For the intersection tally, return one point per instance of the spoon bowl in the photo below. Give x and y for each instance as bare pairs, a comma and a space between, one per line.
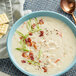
68, 6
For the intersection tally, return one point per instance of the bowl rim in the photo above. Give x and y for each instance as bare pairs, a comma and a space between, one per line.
15, 63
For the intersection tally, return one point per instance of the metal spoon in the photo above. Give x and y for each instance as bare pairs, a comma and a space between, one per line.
68, 6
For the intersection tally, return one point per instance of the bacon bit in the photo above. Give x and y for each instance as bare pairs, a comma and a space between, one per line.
28, 42
57, 60
23, 61
45, 69
29, 39
41, 21
21, 37
29, 63
35, 46
60, 34
39, 61
41, 33
30, 34
24, 54
33, 26
46, 56
31, 56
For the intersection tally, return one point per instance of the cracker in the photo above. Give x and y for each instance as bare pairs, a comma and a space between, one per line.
1, 35
3, 28
3, 19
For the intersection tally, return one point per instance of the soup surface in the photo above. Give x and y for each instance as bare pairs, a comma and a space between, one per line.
44, 46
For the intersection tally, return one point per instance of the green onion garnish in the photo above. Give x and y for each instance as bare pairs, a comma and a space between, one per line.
19, 33
33, 62
24, 36
25, 49
18, 48
22, 49
36, 21
29, 24
35, 30
39, 54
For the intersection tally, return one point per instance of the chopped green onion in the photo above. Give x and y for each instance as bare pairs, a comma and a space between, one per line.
30, 61
36, 21
18, 48
25, 49
29, 25
39, 54
22, 43
35, 30
26, 35
19, 33
22, 49
33, 62
29, 22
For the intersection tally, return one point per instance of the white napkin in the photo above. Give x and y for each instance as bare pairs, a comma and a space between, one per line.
3, 74
18, 8
17, 12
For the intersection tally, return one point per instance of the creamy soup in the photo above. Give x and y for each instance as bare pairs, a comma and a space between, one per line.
44, 46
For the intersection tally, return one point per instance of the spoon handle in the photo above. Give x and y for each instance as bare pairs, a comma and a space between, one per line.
74, 17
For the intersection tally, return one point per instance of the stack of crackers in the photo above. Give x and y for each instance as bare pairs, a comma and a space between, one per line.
4, 23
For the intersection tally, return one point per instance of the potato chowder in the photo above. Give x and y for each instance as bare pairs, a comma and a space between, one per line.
44, 46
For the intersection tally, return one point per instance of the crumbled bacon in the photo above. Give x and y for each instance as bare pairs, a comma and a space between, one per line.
57, 60
24, 54
46, 56
41, 21
41, 33
29, 63
28, 42
33, 26
29, 39
35, 46
31, 56
45, 69
21, 37
39, 61
30, 34
23, 61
